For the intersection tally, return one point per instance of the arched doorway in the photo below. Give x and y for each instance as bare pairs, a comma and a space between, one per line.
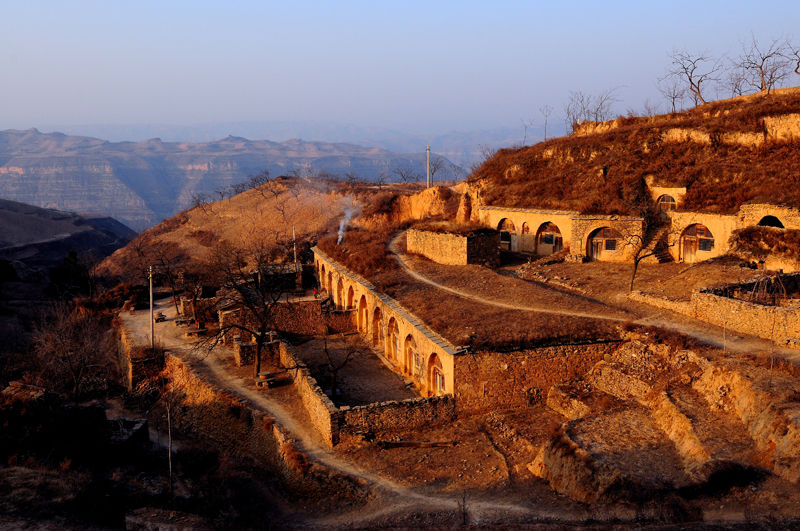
770, 221
350, 298
602, 242
330, 284
435, 376
392, 340
322, 285
363, 316
377, 331
409, 354
548, 239
340, 293
665, 203
508, 234
695, 240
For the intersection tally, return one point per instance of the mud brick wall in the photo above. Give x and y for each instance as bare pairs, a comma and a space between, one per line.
768, 322
244, 353
489, 380
397, 414
455, 249
323, 413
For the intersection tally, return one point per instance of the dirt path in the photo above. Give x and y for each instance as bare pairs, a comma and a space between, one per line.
705, 332
491, 302
395, 498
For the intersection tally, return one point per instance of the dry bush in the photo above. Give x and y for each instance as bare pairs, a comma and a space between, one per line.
603, 173
206, 238
760, 242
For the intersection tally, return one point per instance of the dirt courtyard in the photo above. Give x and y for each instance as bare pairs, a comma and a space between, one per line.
362, 379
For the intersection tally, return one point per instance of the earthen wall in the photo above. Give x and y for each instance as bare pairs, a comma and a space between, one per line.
455, 249
397, 414
491, 380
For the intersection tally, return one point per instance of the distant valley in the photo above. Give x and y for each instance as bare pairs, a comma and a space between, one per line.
141, 183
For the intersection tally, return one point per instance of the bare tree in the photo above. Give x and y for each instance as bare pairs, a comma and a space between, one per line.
406, 174
694, 70
437, 164
486, 152
251, 281
200, 201
582, 107
735, 80
793, 53
673, 91
72, 348
765, 67
546, 111
335, 363
525, 125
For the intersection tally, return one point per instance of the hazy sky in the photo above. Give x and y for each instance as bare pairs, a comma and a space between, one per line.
417, 66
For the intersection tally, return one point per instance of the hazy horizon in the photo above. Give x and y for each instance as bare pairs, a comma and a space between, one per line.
413, 67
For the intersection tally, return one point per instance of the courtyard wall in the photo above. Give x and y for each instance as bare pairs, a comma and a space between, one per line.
455, 249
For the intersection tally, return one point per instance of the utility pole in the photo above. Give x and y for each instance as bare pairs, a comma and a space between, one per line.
294, 245
428, 165
152, 322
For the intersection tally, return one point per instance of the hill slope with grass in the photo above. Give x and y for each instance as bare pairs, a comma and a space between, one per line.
725, 153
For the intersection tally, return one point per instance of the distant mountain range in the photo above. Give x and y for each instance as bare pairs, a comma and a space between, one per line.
141, 183
461, 147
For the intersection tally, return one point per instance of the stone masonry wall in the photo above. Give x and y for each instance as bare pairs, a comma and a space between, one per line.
454, 249
490, 380
768, 322
410, 413
324, 414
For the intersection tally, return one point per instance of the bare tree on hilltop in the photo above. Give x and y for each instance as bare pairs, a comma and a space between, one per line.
764, 67
695, 71
582, 107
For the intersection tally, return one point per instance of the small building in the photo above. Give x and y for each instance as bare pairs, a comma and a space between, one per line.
450, 246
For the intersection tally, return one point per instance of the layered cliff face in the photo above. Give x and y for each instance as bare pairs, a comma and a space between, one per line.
141, 183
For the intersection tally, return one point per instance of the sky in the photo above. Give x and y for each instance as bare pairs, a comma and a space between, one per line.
412, 66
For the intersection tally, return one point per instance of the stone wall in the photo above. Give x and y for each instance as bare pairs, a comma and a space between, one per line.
491, 380
406, 414
455, 249
331, 421
781, 325
323, 413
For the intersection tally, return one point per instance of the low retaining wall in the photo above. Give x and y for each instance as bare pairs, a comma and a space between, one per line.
480, 247
769, 322
331, 421
408, 414
324, 414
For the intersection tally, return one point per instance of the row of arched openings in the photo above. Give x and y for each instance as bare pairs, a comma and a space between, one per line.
404, 355
547, 239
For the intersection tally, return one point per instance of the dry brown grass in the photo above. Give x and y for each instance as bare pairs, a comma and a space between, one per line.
604, 173
760, 242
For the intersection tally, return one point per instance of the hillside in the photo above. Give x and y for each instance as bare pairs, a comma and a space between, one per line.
725, 153
33, 238
141, 183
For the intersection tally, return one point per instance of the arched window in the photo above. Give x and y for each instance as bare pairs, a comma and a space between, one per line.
409, 354
526, 229
666, 203
548, 239
695, 240
770, 221
322, 285
435, 381
392, 340
340, 293
377, 331
602, 241
350, 296
363, 316
507, 229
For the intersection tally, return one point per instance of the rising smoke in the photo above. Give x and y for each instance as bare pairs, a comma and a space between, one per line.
351, 210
